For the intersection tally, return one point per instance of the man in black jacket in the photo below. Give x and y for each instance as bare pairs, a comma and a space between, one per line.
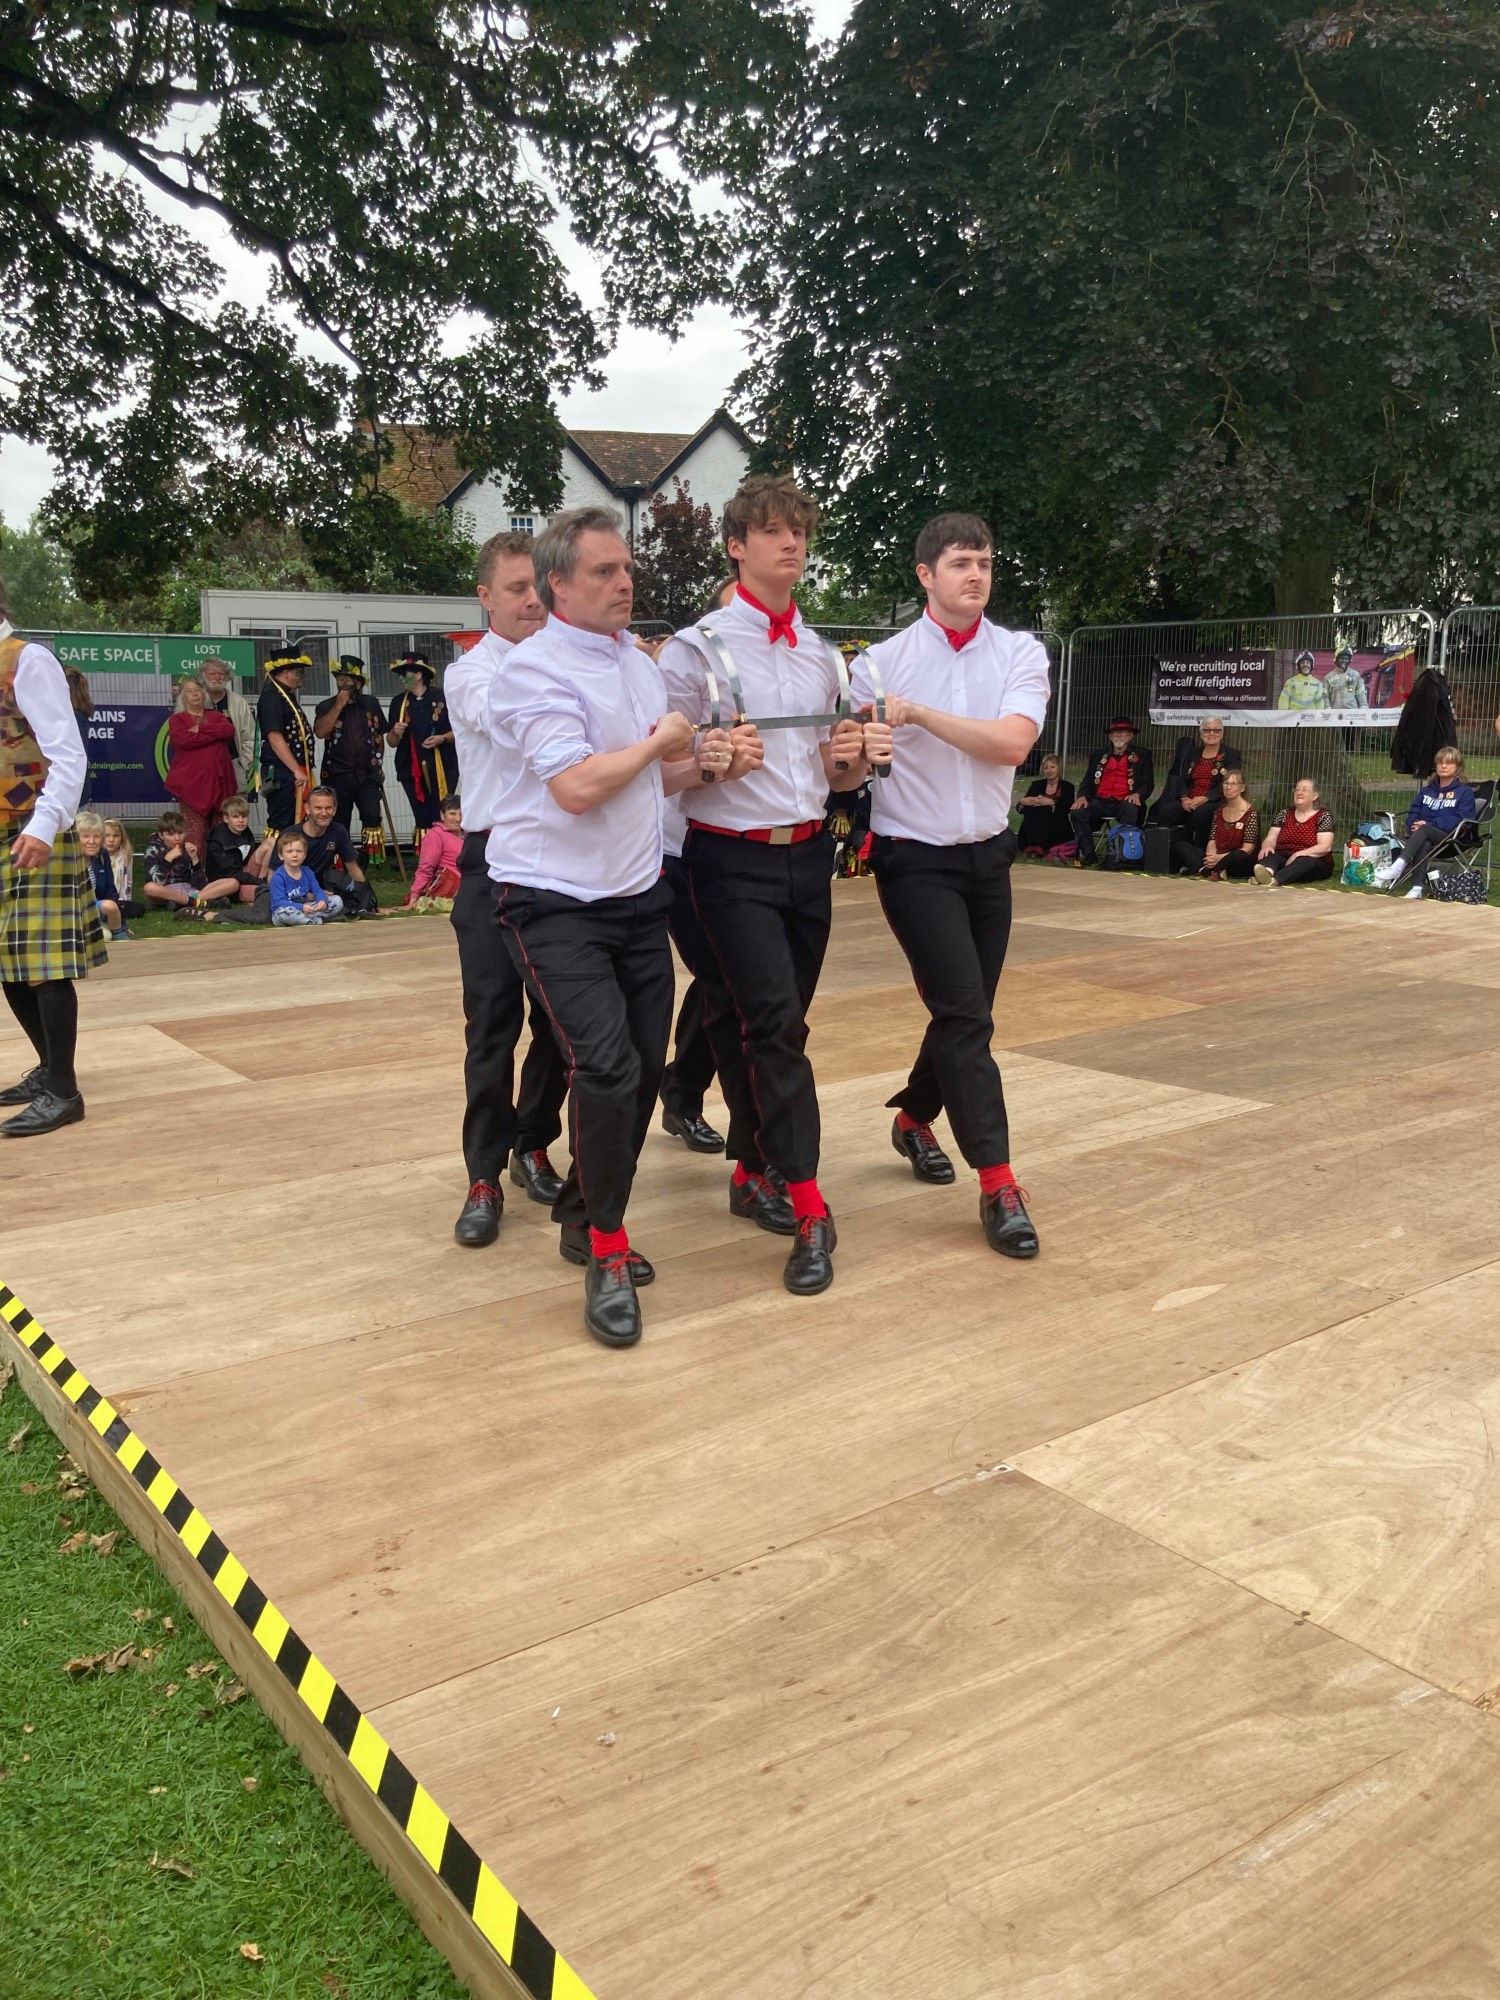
1116, 784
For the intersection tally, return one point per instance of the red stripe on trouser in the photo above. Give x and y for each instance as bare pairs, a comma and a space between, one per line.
562, 1042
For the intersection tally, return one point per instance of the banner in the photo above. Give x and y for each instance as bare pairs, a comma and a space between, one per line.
1313, 689
150, 652
127, 750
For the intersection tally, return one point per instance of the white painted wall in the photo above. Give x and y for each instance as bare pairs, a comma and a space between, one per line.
711, 473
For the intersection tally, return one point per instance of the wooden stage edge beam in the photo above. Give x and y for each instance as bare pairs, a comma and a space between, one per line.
461, 1905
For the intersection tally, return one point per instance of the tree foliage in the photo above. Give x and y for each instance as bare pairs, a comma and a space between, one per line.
397, 166
1196, 299
678, 558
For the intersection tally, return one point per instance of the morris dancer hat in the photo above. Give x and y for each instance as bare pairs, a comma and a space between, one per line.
1121, 722
279, 661
413, 663
351, 665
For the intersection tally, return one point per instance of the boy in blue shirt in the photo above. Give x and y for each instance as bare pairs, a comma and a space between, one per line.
297, 896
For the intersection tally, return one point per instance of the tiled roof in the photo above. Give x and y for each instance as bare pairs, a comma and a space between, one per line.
632, 458
424, 468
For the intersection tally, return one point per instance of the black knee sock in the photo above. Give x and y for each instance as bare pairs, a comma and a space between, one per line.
22, 1003
57, 1005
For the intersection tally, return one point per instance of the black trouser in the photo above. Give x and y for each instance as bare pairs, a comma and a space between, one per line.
950, 910
1418, 846
692, 1067
359, 898
424, 811
1187, 855
1195, 826
603, 972
351, 793
1085, 821
278, 787
766, 911
1300, 867
1238, 865
495, 1124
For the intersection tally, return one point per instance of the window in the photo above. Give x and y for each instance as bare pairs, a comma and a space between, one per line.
523, 524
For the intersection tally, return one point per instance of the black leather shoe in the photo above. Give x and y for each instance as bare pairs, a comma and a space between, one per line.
534, 1172
32, 1084
809, 1269
574, 1248
928, 1160
762, 1202
1007, 1226
695, 1133
611, 1310
479, 1219
45, 1113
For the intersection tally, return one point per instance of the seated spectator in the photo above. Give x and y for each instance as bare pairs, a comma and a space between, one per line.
90, 830
1232, 843
174, 871
297, 896
1194, 787
1299, 847
1116, 784
233, 850
122, 866
1440, 808
330, 855
435, 883
1045, 806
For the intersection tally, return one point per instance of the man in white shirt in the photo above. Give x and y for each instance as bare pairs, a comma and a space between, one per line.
51, 933
498, 1126
759, 863
966, 700
576, 847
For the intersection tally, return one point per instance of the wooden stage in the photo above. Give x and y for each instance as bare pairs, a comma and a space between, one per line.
1121, 1626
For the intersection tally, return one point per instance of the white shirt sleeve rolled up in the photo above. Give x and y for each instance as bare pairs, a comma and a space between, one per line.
43, 697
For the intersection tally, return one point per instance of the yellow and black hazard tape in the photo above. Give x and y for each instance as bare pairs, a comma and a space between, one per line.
496, 1914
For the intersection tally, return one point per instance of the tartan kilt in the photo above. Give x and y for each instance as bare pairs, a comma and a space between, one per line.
50, 927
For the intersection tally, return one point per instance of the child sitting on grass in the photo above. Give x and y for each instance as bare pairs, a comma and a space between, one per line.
435, 883
122, 866
297, 896
90, 830
233, 850
174, 871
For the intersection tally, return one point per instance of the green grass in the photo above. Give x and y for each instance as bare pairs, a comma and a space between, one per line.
104, 1778
389, 889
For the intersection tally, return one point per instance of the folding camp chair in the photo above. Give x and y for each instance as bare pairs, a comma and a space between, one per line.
1471, 845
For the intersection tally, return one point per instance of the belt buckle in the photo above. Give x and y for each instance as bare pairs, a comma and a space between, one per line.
781, 836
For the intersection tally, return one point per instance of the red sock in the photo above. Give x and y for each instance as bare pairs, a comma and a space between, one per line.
992, 1179
608, 1242
905, 1124
806, 1200
741, 1177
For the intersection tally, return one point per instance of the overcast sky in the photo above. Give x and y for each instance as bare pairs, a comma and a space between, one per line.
653, 384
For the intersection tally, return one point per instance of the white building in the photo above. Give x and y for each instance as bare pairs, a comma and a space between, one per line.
620, 469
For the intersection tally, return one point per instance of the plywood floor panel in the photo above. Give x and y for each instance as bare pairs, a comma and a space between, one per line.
1350, 1476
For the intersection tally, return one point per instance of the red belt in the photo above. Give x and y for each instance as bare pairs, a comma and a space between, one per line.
770, 836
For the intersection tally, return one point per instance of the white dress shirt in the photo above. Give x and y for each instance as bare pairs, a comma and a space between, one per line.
565, 695
487, 766
674, 822
935, 793
791, 787
44, 699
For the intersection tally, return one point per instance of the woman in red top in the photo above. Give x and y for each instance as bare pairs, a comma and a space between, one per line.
1194, 786
1231, 844
200, 770
1299, 847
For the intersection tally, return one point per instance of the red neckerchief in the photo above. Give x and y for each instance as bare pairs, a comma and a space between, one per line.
957, 640
783, 623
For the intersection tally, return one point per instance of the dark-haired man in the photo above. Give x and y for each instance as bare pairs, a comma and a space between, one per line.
330, 855
576, 850
967, 700
350, 725
498, 1126
759, 861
